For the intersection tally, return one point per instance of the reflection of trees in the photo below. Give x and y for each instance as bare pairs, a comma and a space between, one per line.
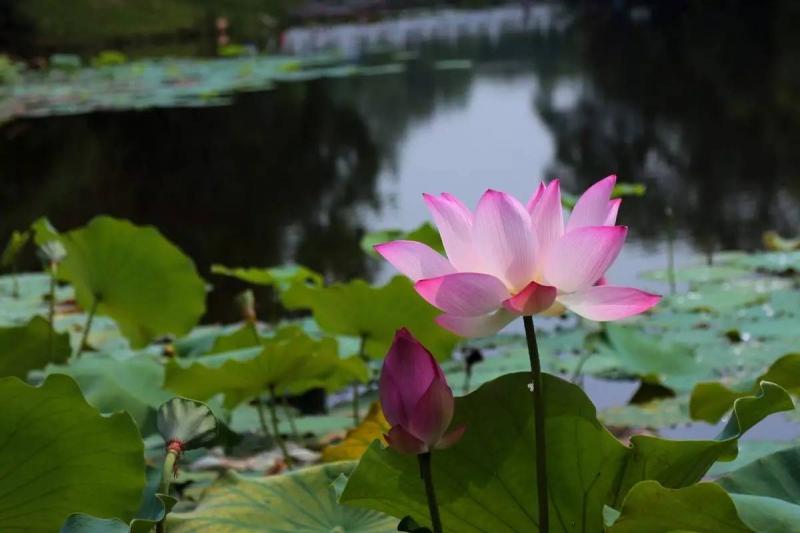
698, 101
273, 176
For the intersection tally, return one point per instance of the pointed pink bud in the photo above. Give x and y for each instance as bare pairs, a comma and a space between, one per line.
416, 400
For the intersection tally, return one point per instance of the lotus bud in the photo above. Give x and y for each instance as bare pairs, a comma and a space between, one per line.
246, 302
416, 400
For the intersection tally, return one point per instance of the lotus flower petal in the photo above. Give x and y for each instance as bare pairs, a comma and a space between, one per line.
414, 259
613, 209
606, 302
454, 221
537, 195
433, 413
451, 438
548, 220
592, 207
502, 233
407, 373
476, 326
404, 442
532, 299
582, 256
463, 293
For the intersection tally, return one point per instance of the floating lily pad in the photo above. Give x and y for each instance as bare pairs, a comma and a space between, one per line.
699, 274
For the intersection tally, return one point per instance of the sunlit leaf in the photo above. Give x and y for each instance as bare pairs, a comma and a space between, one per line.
291, 362
358, 309
281, 277
136, 276
358, 439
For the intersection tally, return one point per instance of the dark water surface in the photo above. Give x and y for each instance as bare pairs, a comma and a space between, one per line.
700, 104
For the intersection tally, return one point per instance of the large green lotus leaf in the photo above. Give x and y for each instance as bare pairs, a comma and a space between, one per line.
31, 347
701, 508
711, 400
15, 244
749, 451
299, 501
281, 277
485, 483
111, 383
699, 274
152, 509
59, 456
358, 309
425, 234
767, 492
140, 279
289, 361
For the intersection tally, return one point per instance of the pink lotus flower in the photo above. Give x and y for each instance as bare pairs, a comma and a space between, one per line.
507, 260
415, 398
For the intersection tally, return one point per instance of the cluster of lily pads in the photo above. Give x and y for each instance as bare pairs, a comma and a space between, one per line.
112, 82
123, 413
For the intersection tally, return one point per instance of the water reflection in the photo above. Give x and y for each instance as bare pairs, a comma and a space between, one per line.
698, 104
273, 177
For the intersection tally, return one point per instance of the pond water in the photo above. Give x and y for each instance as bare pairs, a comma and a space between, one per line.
697, 103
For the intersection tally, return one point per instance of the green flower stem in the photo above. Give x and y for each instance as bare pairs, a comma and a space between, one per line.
167, 473
256, 336
262, 417
51, 310
290, 416
275, 429
87, 327
427, 478
356, 398
671, 250
356, 407
539, 418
